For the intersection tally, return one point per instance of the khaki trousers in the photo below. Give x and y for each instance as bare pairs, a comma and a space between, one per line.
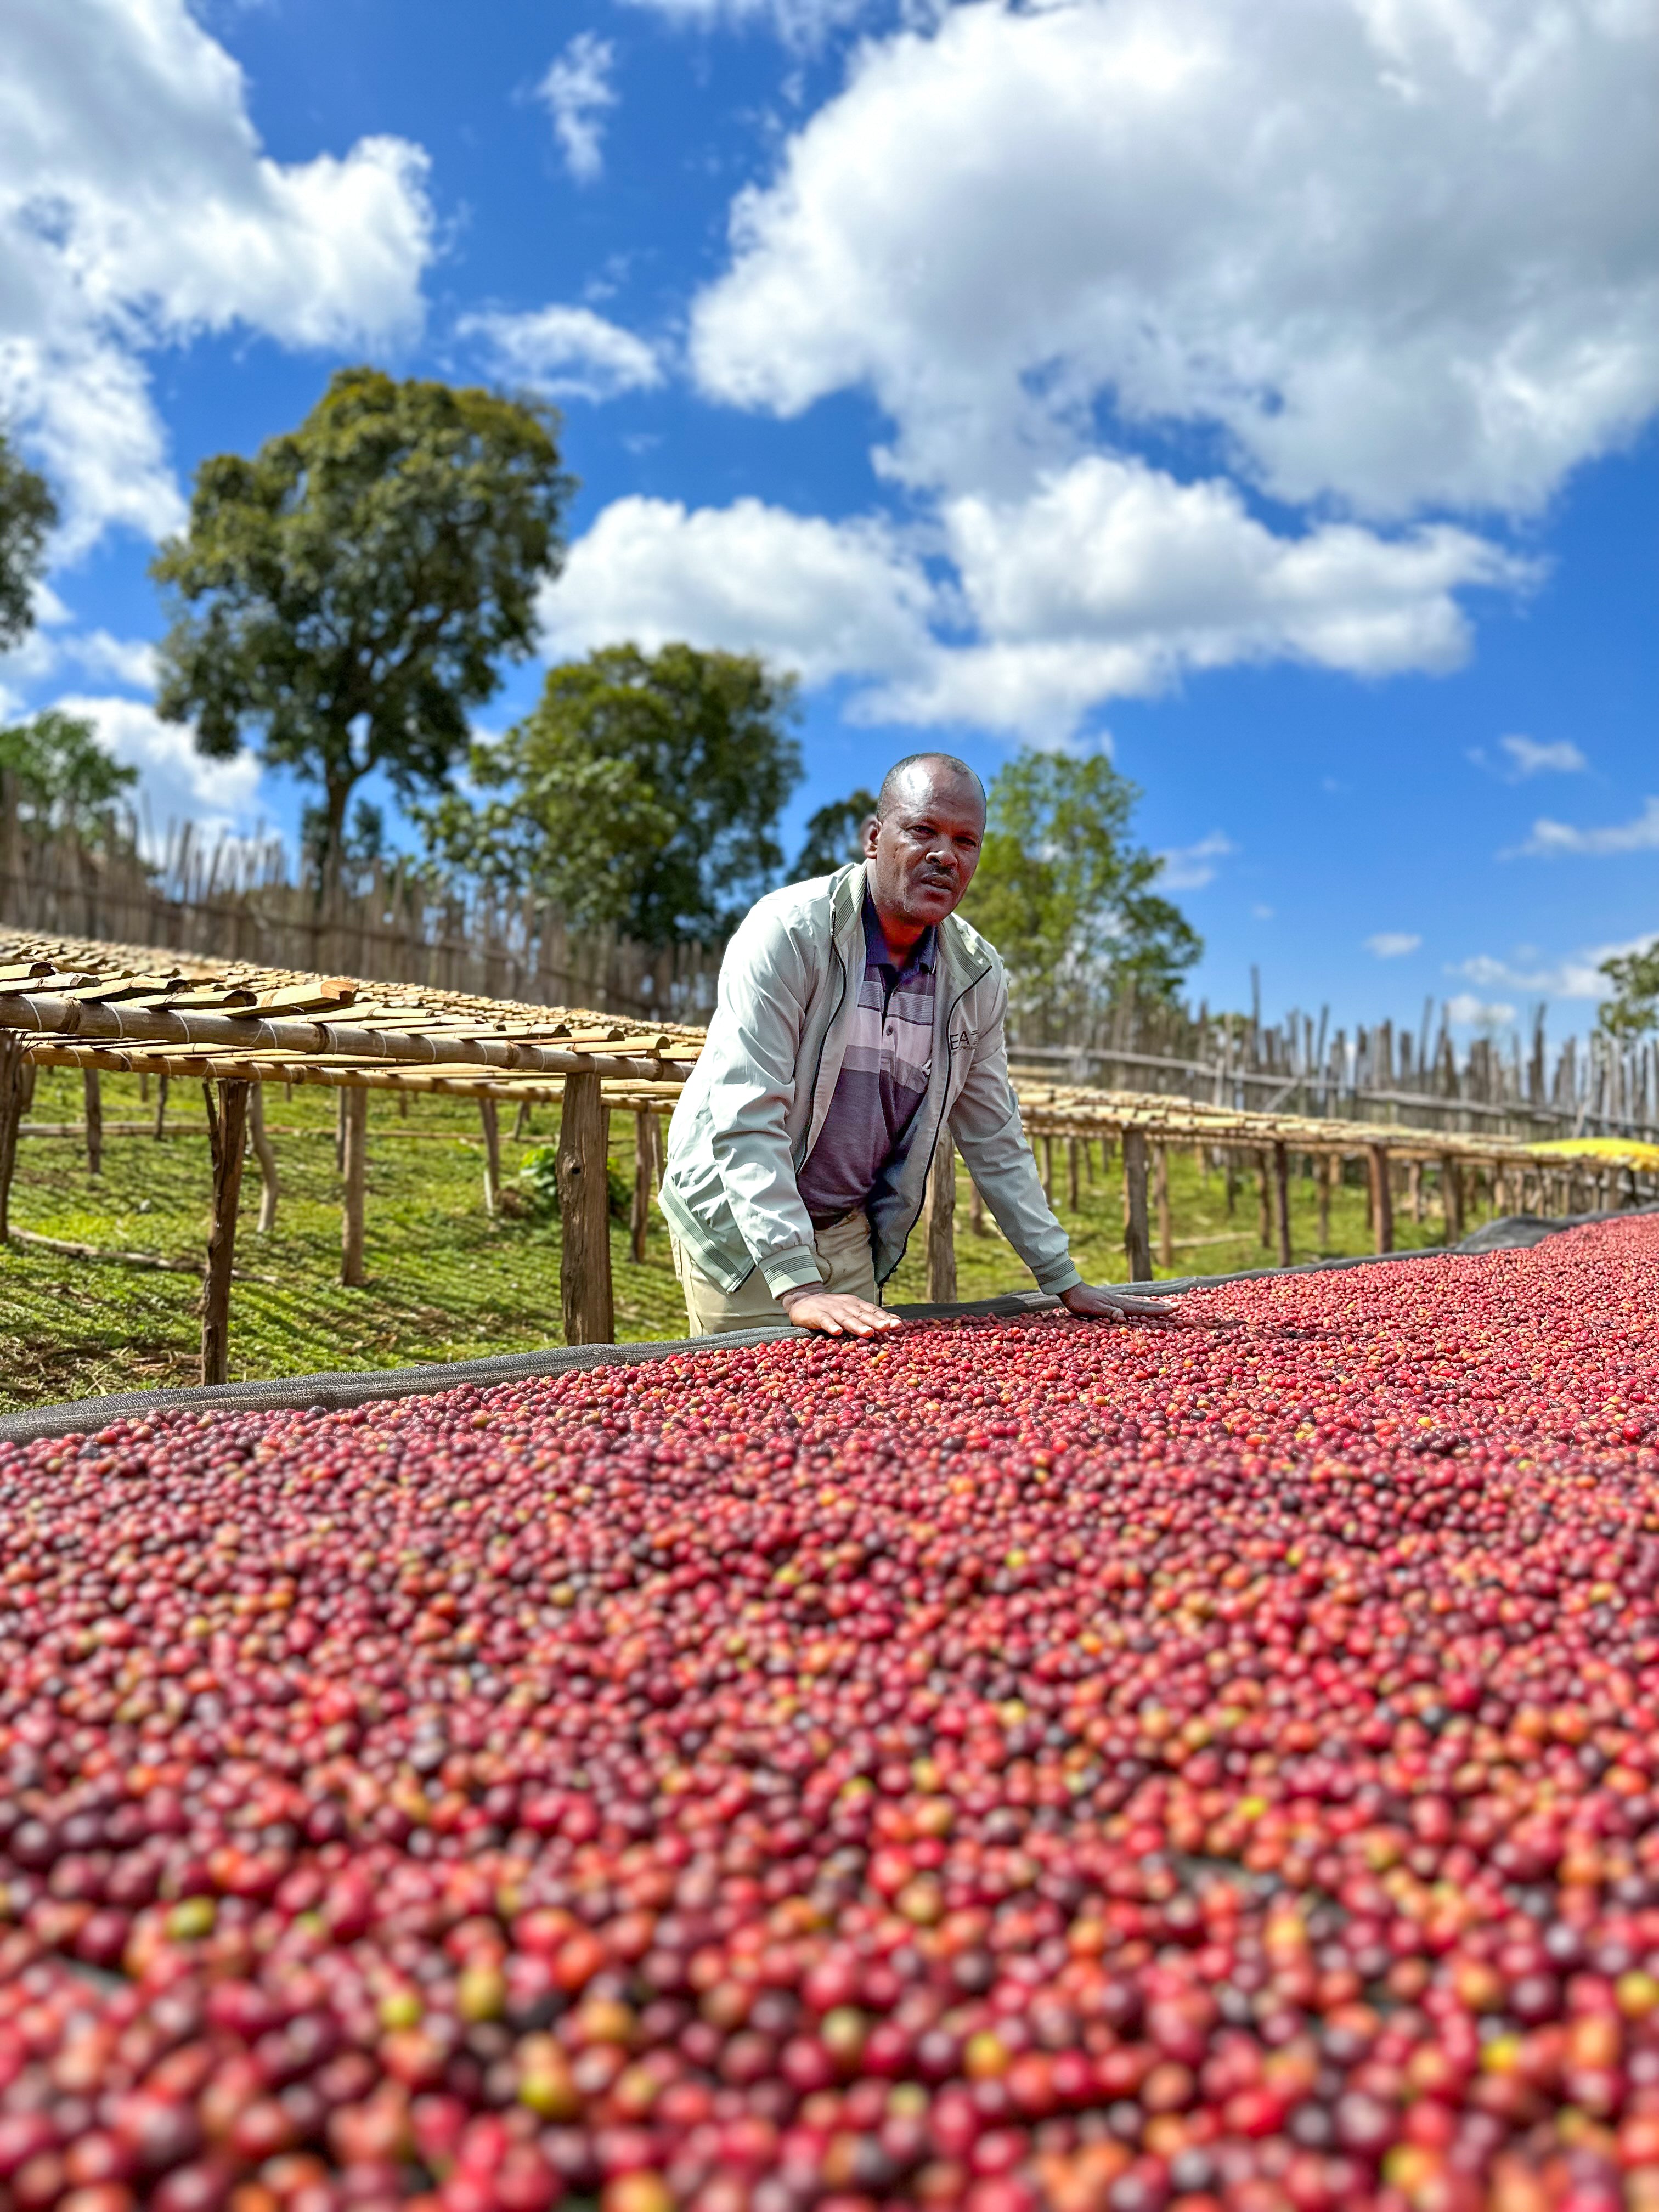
845, 1263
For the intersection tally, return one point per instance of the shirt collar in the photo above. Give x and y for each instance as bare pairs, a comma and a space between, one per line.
924, 954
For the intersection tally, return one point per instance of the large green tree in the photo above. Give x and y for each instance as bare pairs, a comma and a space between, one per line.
28, 514
348, 595
834, 835
643, 792
62, 774
1633, 1009
1063, 892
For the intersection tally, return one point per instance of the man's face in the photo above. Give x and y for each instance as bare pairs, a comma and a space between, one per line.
921, 858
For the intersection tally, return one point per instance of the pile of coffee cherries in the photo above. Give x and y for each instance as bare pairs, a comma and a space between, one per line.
1002, 1766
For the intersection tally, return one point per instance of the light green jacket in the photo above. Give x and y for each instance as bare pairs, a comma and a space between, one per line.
751, 1111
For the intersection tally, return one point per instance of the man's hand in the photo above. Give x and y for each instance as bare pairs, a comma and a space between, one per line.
1090, 1304
835, 1313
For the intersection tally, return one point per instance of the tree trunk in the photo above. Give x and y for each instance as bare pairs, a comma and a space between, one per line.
93, 1090
266, 1158
585, 1215
492, 1137
353, 1173
941, 1222
227, 1134
11, 1114
1137, 1244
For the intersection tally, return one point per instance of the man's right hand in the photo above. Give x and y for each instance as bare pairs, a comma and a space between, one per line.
835, 1313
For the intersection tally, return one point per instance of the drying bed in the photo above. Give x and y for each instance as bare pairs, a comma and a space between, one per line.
1021, 1764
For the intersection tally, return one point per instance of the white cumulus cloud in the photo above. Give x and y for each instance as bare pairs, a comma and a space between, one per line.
1470, 1012
569, 351
1528, 757
137, 209
577, 90
1189, 867
1554, 840
1392, 944
1392, 252
800, 23
1573, 976
175, 783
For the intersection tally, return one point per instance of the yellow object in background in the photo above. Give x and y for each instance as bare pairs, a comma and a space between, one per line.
1629, 1150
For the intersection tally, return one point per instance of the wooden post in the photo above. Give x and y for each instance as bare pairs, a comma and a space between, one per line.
266, 1158
1265, 1203
1232, 1181
1414, 1187
93, 1090
1049, 1168
1072, 1199
976, 1210
227, 1134
641, 1214
143, 1086
353, 1164
585, 1215
1161, 1191
341, 1115
492, 1137
1382, 1199
1282, 1201
942, 1222
402, 1105
521, 1122
161, 1107
1451, 1199
11, 1112
1089, 1163
1137, 1244
1330, 1169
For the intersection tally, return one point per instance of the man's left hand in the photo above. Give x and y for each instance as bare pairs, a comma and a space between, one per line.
1091, 1303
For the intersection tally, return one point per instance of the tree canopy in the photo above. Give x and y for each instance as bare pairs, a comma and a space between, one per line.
834, 835
1062, 892
642, 792
348, 594
62, 775
1633, 1009
28, 514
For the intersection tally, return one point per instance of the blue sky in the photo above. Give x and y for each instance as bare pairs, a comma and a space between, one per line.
1267, 396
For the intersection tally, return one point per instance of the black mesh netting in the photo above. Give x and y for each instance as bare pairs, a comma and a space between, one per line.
336, 1389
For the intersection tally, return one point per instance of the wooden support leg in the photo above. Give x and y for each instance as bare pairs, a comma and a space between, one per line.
976, 1210
492, 1137
161, 1107
11, 1114
585, 1215
1161, 1189
1089, 1163
402, 1105
1414, 1185
641, 1214
1264, 1198
1233, 1183
266, 1158
1329, 1168
1049, 1168
1282, 1202
1381, 1198
521, 1124
1137, 1244
340, 1113
93, 1090
942, 1222
1451, 1199
353, 1169
227, 1134
143, 1086
1072, 1199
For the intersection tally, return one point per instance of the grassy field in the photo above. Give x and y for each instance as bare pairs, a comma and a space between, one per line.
444, 1281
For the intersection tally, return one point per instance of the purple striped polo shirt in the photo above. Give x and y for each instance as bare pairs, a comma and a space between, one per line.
882, 1080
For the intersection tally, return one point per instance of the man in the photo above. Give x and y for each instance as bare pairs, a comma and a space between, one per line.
856, 1015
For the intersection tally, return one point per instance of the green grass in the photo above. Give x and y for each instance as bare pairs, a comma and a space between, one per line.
444, 1281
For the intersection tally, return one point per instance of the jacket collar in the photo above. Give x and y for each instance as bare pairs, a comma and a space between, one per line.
962, 960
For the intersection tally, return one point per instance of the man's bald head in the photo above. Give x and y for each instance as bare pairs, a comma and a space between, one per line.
898, 785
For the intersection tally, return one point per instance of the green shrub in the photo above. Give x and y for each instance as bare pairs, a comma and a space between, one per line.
539, 1175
